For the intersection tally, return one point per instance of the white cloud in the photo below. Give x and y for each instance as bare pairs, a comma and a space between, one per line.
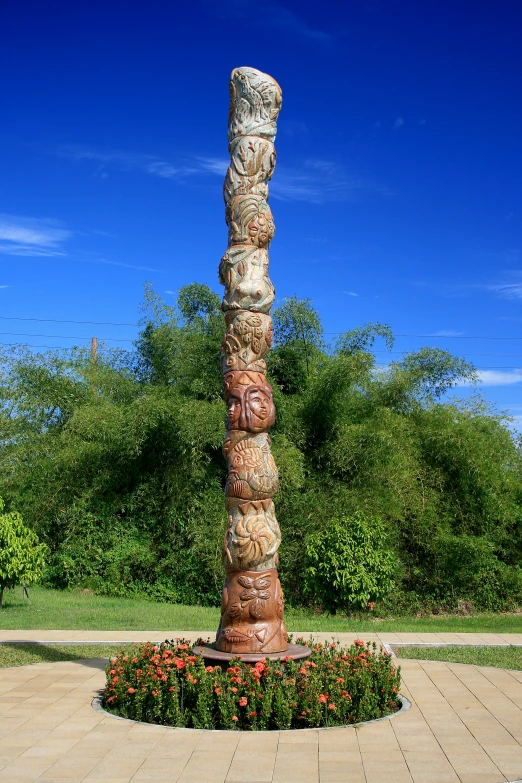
399, 122
447, 333
119, 263
350, 293
154, 165
496, 378
508, 290
316, 180
4, 286
23, 236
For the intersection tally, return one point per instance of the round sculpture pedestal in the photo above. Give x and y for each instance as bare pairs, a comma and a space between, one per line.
215, 657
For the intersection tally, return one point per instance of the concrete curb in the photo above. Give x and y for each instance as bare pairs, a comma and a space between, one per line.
406, 705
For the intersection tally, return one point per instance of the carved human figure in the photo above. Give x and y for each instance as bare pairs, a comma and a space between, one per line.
244, 273
250, 406
250, 221
255, 102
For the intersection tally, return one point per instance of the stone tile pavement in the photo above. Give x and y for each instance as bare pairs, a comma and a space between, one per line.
465, 725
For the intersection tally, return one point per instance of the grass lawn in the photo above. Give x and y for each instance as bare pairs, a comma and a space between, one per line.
501, 657
21, 654
73, 610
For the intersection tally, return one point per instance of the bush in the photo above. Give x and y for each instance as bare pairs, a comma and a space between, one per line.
334, 687
350, 564
21, 554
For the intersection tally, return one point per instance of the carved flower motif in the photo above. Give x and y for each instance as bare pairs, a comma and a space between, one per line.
255, 540
235, 611
256, 594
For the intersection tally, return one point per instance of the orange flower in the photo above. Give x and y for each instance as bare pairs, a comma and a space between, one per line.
131, 690
243, 701
322, 698
332, 707
234, 717
155, 693
209, 669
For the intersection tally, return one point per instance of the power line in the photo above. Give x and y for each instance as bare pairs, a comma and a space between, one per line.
67, 336
447, 336
62, 348
127, 340
55, 347
58, 321
115, 323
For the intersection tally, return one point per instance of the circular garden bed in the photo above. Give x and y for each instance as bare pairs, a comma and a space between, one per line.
335, 686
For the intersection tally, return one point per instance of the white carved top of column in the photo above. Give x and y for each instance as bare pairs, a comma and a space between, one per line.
255, 102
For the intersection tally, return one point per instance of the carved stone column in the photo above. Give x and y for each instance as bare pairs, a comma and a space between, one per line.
252, 607
252, 610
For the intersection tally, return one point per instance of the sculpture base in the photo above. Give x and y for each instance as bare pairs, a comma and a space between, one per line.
252, 611
214, 657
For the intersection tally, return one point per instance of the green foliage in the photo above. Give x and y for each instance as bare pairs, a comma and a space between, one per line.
116, 465
21, 554
349, 563
336, 686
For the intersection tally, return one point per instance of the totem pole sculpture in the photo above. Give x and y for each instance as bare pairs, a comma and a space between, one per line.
252, 620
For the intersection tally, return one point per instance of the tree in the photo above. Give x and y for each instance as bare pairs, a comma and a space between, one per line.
350, 564
298, 337
21, 554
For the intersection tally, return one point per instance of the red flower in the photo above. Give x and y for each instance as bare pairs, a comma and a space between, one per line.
217, 691
358, 643
243, 701
209, 669
253, 714
332, 707
180, 663
234, 717
322, 698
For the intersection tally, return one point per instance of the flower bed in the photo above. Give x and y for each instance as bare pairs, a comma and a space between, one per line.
336, 686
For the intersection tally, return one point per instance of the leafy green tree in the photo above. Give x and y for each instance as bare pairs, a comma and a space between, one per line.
298, 344
21, 554
117, 465
350, 564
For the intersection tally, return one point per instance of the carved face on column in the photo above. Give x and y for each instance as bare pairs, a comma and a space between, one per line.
250, 221
250, 406
244, 273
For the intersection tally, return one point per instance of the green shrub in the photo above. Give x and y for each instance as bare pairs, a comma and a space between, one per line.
21, 554
350, 563
334, 687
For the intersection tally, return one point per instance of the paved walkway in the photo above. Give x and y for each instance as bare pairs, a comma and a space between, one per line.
465, 725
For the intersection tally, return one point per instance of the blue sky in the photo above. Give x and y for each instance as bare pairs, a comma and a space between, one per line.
396, 196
